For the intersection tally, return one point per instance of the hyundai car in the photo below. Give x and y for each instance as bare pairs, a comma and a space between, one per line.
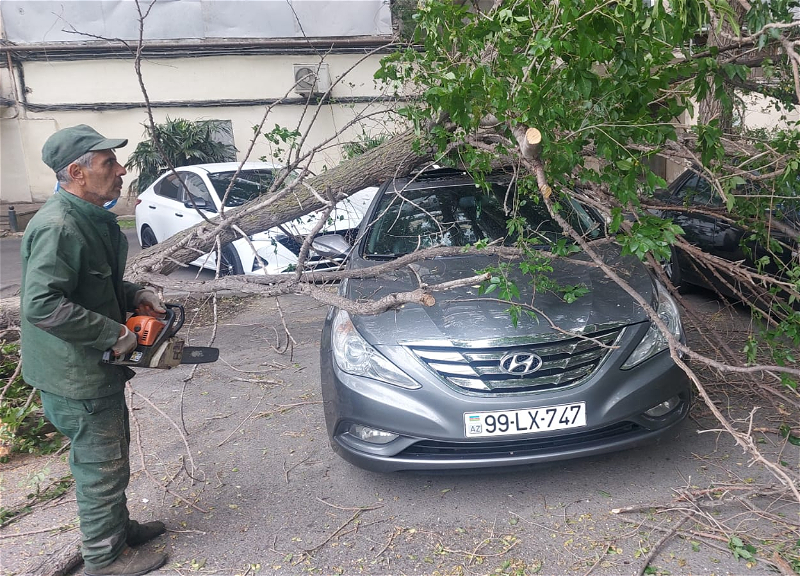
466, 382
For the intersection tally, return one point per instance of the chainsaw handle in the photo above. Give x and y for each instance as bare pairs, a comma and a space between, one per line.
178, 319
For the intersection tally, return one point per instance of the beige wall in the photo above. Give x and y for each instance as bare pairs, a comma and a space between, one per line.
215, 77
761, 113
23, 177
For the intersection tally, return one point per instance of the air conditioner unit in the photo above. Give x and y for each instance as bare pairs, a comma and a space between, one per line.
311, 79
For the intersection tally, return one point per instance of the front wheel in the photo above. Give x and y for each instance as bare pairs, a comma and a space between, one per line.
672, 270
230, 264
148, 237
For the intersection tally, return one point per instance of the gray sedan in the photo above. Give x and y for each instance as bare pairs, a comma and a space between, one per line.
467, 384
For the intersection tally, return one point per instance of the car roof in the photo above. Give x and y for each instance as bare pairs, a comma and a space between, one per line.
227, 167
439, 176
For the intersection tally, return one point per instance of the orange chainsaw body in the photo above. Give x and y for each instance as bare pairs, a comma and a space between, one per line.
146, 329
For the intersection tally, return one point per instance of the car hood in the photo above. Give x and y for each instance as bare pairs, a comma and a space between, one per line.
462, 315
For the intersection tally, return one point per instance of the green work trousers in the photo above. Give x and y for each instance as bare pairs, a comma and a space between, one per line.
100, 433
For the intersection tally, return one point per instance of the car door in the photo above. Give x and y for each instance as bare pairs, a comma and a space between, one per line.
196, 201
196, 205
693, 192
729, 237
700, 227
163, 207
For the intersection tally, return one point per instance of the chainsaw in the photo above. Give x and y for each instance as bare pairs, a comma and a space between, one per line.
156, 343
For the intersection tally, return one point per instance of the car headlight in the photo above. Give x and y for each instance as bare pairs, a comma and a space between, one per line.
654, 341
355, 355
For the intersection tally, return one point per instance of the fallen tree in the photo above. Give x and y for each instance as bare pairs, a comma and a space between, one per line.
301, 197
578, 98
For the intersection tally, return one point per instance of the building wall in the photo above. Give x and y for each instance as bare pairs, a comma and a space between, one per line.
105, 93
761, 112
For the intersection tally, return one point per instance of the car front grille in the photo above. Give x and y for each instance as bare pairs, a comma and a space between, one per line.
478, 368
521, 447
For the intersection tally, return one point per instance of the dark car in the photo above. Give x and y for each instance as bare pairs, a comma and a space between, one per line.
701, 212
462, 384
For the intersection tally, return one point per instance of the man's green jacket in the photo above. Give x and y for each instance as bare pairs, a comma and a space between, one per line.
73, 299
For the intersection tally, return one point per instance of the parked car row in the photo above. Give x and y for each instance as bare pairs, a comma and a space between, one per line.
462, 383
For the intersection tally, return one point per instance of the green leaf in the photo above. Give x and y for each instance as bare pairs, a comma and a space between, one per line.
786, 432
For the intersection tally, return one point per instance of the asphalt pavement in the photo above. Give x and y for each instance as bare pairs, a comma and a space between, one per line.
234, 457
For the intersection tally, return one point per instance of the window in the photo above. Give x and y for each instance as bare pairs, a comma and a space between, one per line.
168, 188
696, 190
196, 188
224, 135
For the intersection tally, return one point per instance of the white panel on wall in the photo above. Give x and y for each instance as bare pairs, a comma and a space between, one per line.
31, 22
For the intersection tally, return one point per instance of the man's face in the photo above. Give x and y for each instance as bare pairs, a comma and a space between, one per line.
102, 181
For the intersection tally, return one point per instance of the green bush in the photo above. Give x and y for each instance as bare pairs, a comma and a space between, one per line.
22, 427
184, 142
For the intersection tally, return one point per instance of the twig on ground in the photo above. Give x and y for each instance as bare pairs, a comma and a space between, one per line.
135, 422
172, 422
336, 532
283, 408
64, 528
194, 368
599, 559
292, 467
246, 418
257, 381
397, 531
656, 548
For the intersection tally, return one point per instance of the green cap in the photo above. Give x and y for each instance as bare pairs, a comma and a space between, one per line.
69, 144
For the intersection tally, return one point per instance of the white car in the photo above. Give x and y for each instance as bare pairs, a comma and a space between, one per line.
166, 208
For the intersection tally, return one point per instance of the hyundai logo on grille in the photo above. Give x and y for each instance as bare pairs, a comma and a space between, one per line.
520, 363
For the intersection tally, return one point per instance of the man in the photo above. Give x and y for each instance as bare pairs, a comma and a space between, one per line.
73, 308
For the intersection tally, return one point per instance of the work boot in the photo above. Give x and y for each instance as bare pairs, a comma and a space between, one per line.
130, 563
141, 532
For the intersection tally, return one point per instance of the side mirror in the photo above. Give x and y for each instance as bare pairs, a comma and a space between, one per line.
331, 246
200, 204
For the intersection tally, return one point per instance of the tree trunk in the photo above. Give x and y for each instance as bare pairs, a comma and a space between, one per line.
395, 156
711, 107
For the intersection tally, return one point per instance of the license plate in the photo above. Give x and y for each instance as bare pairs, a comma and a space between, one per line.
543, 419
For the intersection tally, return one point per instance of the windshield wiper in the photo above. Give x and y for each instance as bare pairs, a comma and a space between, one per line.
383, 256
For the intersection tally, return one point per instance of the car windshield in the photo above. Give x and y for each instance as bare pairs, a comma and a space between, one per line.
249, 184
462, 215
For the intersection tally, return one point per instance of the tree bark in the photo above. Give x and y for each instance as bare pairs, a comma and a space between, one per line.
711, 107
394, 157
61, 562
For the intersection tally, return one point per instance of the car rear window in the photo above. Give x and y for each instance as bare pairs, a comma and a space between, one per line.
463, 215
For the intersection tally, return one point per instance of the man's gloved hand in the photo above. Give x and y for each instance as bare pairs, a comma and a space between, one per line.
125, 343
146, 303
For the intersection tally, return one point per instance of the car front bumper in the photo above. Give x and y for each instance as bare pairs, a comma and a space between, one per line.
430, 420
